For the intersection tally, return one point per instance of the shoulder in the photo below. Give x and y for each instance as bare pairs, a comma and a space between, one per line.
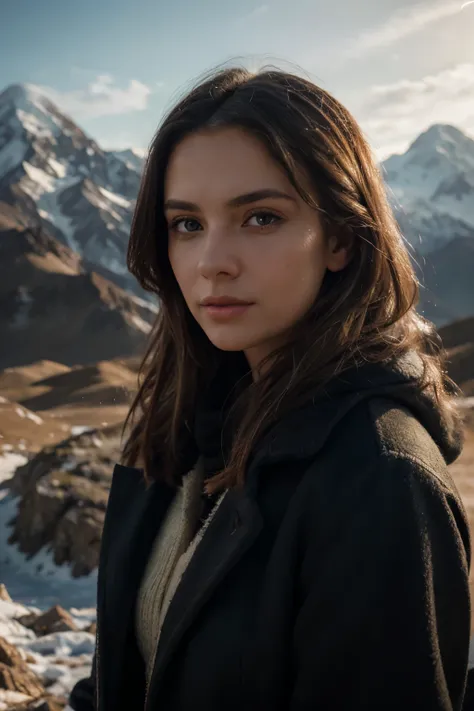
378, 449
380, 429
379, 480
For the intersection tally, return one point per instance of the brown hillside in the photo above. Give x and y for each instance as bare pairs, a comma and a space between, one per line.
52, 309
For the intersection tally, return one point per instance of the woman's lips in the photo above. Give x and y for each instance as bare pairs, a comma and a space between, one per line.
226, 312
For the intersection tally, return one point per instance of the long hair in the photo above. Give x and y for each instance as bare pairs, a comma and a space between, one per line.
364, 313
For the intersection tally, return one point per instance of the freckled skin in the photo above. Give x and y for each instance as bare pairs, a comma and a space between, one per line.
272, 253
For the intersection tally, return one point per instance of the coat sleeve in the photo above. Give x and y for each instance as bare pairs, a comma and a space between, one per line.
383, 616
82, 697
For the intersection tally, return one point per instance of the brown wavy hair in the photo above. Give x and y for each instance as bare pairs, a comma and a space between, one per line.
364, 313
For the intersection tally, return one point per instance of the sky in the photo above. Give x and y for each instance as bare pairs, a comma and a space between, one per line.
117, 66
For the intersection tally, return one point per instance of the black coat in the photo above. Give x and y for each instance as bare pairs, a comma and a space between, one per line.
337, 579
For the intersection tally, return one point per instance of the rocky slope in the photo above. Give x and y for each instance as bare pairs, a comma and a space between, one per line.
42, 654
53, 171
54, 308
60, 436
61, 496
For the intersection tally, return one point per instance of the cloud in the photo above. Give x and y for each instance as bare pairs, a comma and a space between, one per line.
401, 24
392, 115
253, 15
101, 97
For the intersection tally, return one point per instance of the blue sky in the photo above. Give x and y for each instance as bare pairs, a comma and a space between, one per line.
115, 66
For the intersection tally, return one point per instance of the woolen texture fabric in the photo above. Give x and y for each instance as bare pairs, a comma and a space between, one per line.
172, 550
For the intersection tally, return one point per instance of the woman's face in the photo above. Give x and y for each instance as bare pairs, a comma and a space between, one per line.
237, 228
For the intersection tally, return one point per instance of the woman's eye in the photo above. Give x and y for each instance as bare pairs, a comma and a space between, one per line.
186, 224
264, 219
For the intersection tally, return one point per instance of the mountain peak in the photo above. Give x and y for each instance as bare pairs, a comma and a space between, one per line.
439, 134
21, 94
431, 187
133, 158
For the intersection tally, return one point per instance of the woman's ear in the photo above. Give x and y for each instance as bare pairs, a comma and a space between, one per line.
339, 252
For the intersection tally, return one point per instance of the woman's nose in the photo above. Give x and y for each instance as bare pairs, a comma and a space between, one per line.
217, 256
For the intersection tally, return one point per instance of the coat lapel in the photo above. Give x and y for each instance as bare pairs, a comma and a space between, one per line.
234, 527
134, 515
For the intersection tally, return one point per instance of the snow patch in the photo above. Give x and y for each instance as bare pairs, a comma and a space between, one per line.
80, 429
140, 323
114, 265
59, 168
42, 182
28, 415
9, 463
146, 304
69, 465
33, 124
63, 644
117, 199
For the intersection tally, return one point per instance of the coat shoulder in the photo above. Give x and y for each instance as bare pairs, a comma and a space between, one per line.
378, 454
400, 434
378, 432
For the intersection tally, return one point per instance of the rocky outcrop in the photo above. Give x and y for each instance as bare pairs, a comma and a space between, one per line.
15, 675
54, 620
63, 494
47, 703
40, 664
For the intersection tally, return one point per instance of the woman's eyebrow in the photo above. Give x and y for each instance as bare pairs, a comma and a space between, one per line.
245, 199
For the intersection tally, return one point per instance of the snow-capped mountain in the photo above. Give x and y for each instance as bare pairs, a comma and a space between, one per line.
133, 158
79, 192
62, 180
431, 188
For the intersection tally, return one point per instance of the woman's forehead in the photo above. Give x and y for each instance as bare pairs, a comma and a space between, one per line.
224, 162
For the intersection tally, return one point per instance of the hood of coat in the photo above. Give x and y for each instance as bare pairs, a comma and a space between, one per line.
302, 431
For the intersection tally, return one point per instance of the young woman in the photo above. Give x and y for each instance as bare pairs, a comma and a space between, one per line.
283, 533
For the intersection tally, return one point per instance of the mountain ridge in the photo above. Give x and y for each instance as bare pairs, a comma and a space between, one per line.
63, 181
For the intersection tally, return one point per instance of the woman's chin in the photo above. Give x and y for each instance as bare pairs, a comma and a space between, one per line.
228, 344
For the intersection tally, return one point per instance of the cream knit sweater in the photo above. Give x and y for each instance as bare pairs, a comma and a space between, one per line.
170, 555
